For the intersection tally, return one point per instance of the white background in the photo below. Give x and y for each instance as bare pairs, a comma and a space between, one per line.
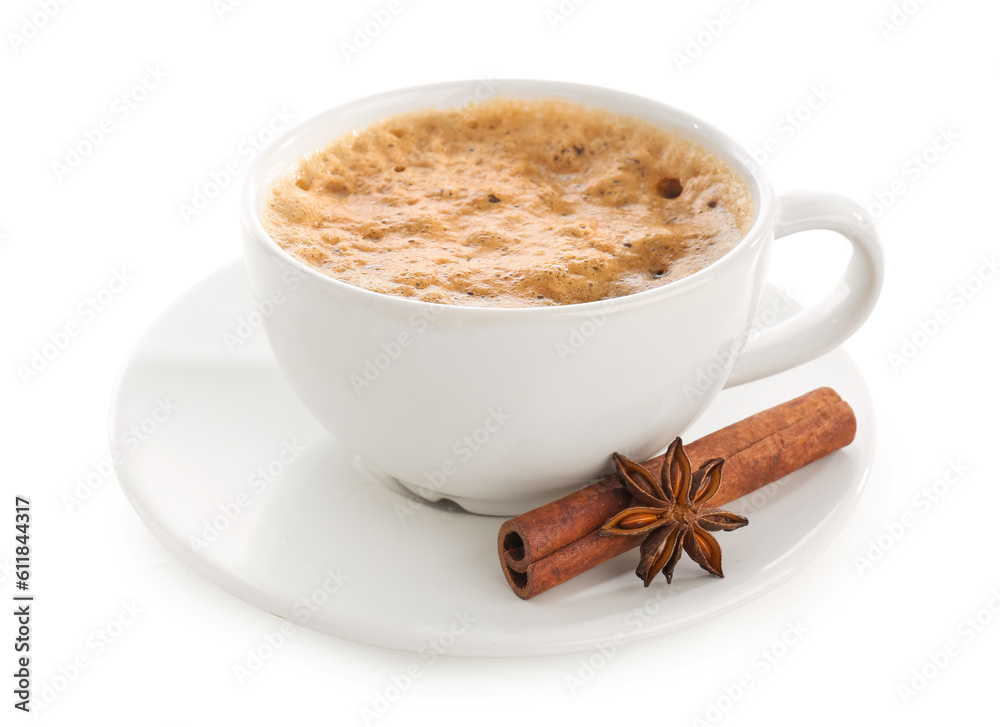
892, 82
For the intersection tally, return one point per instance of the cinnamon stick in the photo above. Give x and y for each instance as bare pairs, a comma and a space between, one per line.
558, 541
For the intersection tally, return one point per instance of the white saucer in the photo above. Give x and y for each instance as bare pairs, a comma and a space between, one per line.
215, 446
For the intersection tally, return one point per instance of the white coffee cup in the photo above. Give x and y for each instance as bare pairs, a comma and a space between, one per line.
501, 410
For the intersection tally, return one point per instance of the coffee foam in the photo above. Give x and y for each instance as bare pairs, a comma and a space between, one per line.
512, 202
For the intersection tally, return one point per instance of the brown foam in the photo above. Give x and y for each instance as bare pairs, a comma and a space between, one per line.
511, 202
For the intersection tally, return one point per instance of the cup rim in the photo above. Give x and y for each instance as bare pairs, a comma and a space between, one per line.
693, 128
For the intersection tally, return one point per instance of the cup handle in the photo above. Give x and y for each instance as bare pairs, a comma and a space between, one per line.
827, 324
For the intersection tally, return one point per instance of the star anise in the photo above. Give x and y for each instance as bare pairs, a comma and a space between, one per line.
672, 513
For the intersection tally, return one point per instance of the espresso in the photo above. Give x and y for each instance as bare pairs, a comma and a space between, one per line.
512, 202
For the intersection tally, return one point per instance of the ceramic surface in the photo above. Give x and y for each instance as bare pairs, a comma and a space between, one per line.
241, 483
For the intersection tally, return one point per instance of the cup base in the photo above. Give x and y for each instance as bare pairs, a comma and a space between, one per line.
474, 506
444, 501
